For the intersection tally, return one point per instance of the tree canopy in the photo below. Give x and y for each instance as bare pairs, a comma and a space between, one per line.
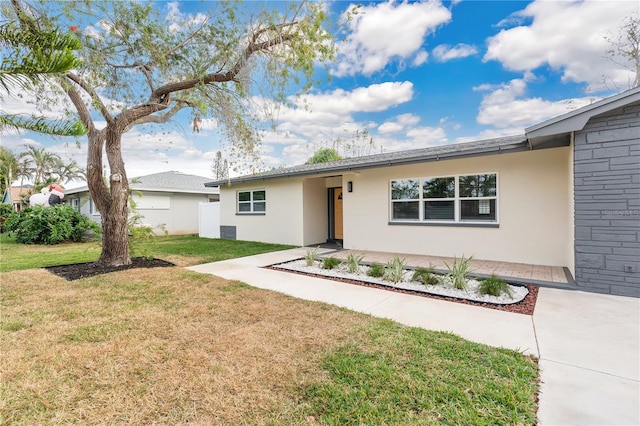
324, 155
142, 65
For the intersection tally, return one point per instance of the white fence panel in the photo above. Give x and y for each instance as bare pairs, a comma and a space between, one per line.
209, 220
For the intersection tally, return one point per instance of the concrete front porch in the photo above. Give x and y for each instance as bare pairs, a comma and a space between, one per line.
543, 275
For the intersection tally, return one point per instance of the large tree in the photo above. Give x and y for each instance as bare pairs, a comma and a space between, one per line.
143, 65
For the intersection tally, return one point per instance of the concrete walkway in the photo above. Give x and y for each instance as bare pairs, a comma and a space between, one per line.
588, 344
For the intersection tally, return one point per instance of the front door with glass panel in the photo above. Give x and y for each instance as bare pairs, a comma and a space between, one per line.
335, 215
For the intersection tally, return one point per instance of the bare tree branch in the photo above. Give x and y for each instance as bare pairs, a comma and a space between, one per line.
92, 94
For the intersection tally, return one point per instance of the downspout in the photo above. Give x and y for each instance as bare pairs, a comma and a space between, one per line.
572, 207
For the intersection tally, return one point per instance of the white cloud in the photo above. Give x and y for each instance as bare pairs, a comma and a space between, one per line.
567, 36
417, 137
390, 127
386, 31
373, 98
326, 116
180, 20
505, 106
400, 123
318, 119
428, 134
444, 52
421, 57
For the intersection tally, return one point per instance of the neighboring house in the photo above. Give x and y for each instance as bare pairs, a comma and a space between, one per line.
166, 201
567, 193
17, 196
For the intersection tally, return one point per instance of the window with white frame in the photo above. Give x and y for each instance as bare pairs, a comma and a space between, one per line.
463, 198
254, 201
75, 204
92, 208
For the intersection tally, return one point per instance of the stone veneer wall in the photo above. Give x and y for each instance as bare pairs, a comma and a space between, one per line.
607, 203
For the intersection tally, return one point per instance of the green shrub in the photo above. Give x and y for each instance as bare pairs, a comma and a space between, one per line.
5, 210
425, 276
395, 269
142, 241
494, 286
330, 263
353, 262
458, 272
376, 270
49, 225
311, 256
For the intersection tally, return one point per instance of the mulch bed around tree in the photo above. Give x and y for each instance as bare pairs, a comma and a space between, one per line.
526, 306
83, 270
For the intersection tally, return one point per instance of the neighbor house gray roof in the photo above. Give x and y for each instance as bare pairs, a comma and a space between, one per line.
436, 153
165, 182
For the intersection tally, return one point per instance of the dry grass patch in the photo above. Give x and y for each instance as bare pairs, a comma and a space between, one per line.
157, 345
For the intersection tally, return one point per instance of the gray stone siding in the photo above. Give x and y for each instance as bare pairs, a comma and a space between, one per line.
607, 203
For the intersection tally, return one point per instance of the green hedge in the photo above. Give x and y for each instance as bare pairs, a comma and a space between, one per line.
49, 225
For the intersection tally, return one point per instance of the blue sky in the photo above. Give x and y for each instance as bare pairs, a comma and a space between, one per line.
414, 74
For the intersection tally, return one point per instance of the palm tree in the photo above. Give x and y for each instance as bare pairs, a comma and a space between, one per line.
34, 56
44, 163
65, 173
25, 170
8, 168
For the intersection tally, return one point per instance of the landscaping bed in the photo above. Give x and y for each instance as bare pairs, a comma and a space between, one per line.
516, 298
77, 271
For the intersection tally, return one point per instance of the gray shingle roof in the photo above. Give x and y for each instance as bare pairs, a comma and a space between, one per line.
466, 149
165, 181
171, 181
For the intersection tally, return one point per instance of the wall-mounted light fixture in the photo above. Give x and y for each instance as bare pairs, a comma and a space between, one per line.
349, 186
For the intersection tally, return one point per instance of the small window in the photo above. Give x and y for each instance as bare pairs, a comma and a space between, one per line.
439, 195
403, 194
252, 201
75, 204
478, 198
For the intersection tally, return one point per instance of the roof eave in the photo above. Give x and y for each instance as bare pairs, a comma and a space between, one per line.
573, 121
513, 147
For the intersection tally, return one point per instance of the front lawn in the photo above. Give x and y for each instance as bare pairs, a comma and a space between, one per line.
170, 346
184, 250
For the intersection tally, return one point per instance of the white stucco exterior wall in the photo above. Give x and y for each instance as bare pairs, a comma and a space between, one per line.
177, 212
315, 211
282, 222
533, 210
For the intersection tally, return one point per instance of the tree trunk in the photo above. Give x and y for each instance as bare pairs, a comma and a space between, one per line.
111, 201
115, 237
